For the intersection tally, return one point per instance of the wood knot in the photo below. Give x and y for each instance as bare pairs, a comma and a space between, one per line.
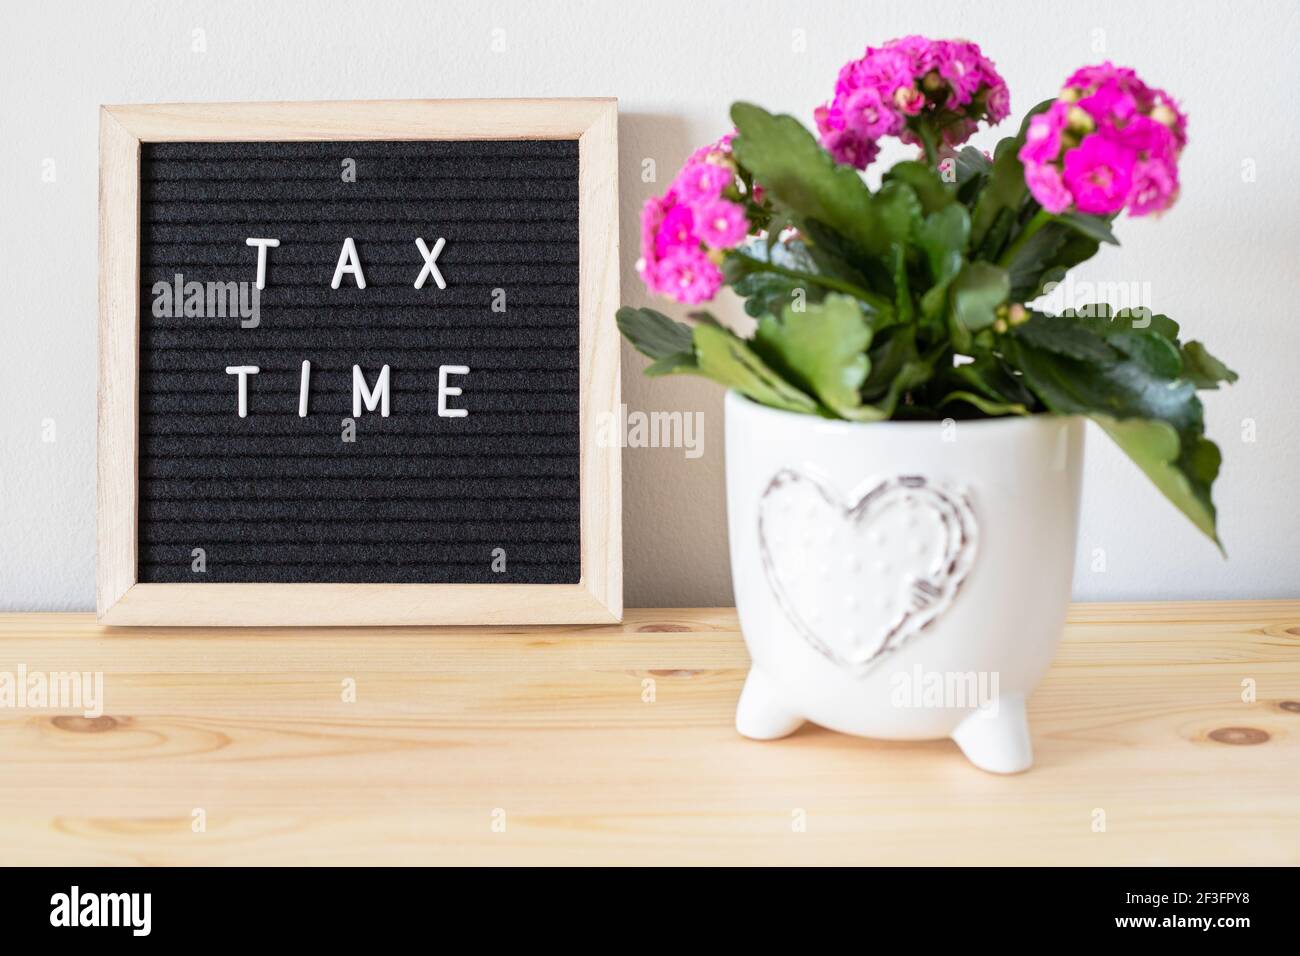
1292, 706
1244, 736
662, 629
84, 725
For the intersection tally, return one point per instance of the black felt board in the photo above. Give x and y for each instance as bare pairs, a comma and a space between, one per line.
416, 498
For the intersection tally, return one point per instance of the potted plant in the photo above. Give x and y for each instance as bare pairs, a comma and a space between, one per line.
904, 426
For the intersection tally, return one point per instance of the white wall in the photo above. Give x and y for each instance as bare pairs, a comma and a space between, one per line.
1223, 262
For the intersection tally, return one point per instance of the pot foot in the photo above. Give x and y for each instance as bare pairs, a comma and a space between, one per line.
997, 742
760, 715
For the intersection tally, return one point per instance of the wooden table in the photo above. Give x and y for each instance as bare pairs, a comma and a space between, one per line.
615, 745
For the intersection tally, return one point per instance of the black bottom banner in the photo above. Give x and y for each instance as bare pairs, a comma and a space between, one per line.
209, 906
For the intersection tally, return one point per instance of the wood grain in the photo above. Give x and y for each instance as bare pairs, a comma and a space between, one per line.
119, 359
614, 744
602, 483
363, 119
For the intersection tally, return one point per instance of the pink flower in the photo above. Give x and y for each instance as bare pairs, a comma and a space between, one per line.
1043, 138
1121, 138
722, 224
1165, 111
829, 119
866, 112
851, 149
1155, 187
691, 222
1145, 137
909, 100
677, 231
948, 84
1045, 185
652, 216
715, 152
1091, 77
959, 64
689, 277
998, 103
1099, 174
700, 181
1109, 104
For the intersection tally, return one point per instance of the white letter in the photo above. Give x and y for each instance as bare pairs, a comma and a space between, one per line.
430, 269
262, 246
243, 371
360, 393
444, 390
348, 262
302, 389
59, 914
141, 912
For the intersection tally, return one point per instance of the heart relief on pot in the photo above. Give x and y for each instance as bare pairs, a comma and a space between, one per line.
859, 577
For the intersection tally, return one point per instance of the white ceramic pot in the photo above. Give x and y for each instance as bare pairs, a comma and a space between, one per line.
902, 580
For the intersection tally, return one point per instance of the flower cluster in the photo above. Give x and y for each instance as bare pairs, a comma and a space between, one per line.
685, 231
1108, 142
948, 84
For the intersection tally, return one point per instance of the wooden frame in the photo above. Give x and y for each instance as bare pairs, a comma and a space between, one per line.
121, 599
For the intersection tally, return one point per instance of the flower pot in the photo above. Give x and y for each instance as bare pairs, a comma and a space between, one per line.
900, 580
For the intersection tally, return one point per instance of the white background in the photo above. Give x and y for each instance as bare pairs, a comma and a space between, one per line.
1223, 262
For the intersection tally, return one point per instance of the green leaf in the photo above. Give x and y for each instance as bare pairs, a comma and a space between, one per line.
767, 293
1184, 478
1153, 351
1004, 195
911, 375
679, 363
1151, 338
1204, 369
1144, 319
975, 294
652, 333
1156, 419
730, 361
1065, 336
797, 173
1120, 386
1045, 257
821, 349
1000, 200
943, 237
970, 164
989, 376
836, 256
1094, 227
986, 405
902, 289
1102, 319
933, 193
899, 212
896, 367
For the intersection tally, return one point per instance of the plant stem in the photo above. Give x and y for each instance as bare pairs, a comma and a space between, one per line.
1041, 218
875, 300
926, 132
